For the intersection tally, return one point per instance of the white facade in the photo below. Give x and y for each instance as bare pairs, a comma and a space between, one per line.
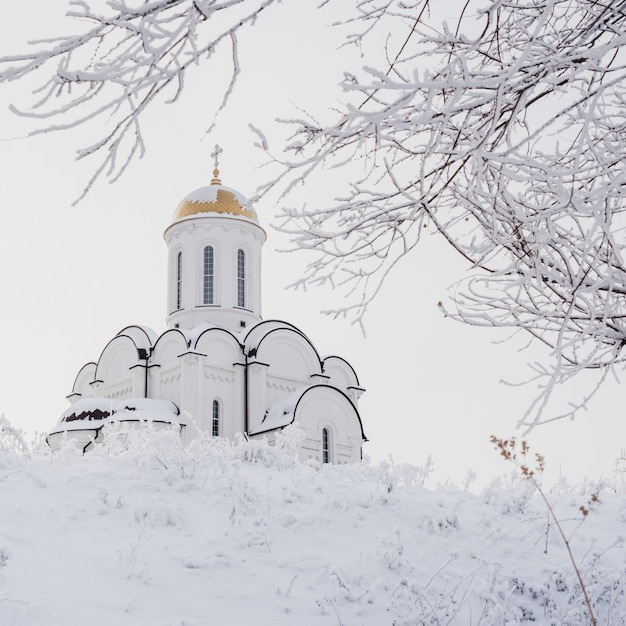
219, 368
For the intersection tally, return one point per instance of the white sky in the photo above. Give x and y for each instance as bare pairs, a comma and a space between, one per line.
71, 277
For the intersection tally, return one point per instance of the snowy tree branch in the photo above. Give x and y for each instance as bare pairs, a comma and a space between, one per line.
506, 135
127, 59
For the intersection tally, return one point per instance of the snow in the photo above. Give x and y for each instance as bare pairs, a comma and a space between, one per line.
209, 194
142, 530
281, 413
93, 413
89, 413
147, 409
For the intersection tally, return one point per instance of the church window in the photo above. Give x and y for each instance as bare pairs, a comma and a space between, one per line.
215, 419
179, 280
325, 446
241, 278
208, 277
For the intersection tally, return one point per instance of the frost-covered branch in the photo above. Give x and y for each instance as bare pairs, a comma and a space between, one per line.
505, 132
127, 58
501, 126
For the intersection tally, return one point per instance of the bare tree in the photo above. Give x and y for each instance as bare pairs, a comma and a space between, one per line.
501, 127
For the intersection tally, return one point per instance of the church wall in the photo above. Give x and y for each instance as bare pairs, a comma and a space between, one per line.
168, 383
190, 383
292, 362
281, 387
256, 394
218, 384
227, 234
325, 407
120, 390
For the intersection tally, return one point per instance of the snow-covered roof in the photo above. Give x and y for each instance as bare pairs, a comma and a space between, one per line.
147, 409
93, 413
281, 413
215, 198
84, 413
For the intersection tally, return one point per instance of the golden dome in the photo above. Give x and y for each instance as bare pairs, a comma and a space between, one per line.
215, 199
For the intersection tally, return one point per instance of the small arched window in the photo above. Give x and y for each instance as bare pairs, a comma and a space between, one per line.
241, 278
179, 280
325, 446
215, 419
208, 276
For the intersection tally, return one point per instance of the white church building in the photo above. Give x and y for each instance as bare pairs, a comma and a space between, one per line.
219, 368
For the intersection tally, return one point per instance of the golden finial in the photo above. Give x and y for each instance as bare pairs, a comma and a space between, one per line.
216, 172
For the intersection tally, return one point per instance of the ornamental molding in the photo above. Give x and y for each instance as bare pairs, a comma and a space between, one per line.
282, 386
118, 392
170, 377
218, 376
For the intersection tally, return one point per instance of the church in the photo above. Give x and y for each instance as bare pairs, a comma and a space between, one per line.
219, 369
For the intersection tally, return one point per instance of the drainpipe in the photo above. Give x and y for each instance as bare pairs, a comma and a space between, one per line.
143, 354
245, 398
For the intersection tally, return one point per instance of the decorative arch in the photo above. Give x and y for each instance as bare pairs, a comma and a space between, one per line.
285, 348
169, 346
316, 408
86, 375
143, 336
320, 405
289, 354
341, 373
116, 360
220, 347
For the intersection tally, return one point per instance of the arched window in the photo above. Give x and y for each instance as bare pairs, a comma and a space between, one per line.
325, 446
215, 419
241, 278
179, 280
208, 276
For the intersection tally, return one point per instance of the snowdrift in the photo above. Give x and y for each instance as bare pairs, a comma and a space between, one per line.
143, 530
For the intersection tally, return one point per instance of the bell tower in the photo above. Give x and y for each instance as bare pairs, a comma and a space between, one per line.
214, 258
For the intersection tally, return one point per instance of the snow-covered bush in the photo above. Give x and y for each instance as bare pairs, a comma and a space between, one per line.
12, 442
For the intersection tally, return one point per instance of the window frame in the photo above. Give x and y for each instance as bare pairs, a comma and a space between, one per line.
179, 280
241, 278
208, 275
326, 456
215, 418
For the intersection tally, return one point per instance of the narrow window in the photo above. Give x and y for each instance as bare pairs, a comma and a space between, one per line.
325, 446
241, 278
215, 419
179, 280
208, 276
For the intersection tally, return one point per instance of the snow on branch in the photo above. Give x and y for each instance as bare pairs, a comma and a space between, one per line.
125, 60
501, 126
504, 131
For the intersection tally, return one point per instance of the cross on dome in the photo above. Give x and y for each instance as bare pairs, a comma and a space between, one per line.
216, 172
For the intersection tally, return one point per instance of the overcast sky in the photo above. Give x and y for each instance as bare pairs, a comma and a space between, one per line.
73, 276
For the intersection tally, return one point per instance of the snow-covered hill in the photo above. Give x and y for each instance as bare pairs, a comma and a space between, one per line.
145, 532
